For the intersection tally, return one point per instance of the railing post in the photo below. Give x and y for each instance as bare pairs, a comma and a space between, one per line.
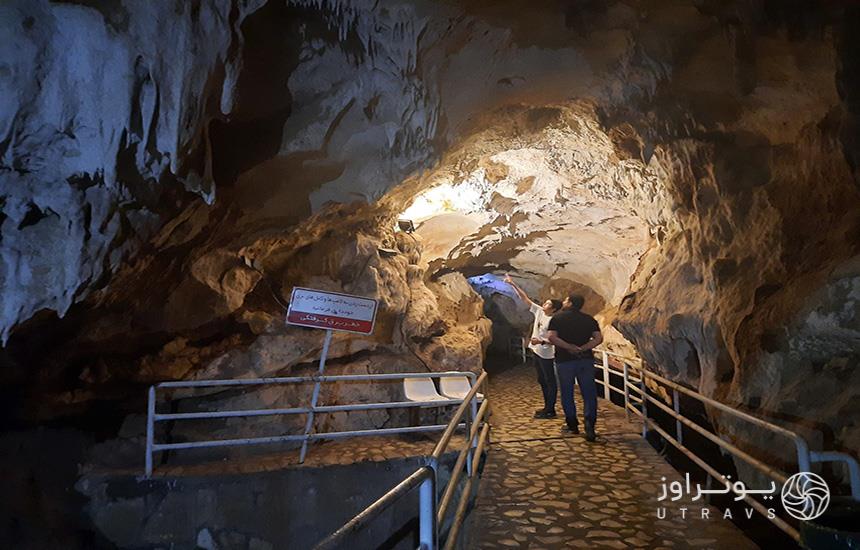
626, 391
150, 429
606, 394
804, 458
473, 442
470, 419
676, 403
427, 510
475, 415
644, 401
310, 421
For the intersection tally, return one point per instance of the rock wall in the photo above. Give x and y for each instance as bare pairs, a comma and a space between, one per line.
769, 218
374, 93
103, 129
420, 326
724, 133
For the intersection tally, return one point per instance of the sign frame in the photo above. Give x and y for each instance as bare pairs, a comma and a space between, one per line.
324, 326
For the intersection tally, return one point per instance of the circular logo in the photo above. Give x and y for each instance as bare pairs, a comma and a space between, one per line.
805, 496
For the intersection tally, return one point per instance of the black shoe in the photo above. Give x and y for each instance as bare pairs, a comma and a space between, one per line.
543, 414
590, 436
570, 428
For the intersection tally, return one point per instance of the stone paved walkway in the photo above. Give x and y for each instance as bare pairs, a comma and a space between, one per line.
542, 489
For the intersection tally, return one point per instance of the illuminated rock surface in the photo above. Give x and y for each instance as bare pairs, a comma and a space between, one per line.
167, 174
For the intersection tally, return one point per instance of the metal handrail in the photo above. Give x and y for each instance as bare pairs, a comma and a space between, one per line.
800, 443
458, 466
301, 410
772, 472
805, 457
309, 437
637, 384
458, 414
311, 378
416, 479
430, 513
460, 514
153, 417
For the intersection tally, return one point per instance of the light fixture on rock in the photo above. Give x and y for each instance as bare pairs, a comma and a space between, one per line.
406, 225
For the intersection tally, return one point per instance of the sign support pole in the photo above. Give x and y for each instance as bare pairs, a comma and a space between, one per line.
310, 422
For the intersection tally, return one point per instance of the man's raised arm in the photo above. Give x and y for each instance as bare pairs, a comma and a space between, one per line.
520, 292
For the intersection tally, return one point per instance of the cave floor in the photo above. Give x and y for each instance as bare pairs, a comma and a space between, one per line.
542, 489
320, 455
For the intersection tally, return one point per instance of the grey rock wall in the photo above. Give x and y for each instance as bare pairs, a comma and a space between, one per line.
103, 120
725, 131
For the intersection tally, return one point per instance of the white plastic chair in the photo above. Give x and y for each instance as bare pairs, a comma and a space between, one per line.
456, 387
421, 389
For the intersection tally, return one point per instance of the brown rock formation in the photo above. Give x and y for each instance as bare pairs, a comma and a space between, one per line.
693, 166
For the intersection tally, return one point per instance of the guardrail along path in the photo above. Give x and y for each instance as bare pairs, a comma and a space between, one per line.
543, 489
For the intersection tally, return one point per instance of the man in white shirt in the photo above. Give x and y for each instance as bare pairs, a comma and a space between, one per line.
543, 350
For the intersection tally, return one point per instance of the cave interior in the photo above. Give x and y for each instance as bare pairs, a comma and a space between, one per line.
169, 172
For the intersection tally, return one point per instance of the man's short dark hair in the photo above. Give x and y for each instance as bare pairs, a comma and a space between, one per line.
556, 304
576, 301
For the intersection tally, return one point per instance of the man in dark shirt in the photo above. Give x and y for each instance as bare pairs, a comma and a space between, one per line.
574, 334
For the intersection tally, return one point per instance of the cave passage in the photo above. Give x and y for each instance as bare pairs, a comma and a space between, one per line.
171, 172
547, 200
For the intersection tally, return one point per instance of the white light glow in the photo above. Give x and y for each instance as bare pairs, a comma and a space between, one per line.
466, 197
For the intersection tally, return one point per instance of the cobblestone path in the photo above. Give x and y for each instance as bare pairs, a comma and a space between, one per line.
543, 489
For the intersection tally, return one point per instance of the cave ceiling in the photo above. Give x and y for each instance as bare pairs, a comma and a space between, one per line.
694, 164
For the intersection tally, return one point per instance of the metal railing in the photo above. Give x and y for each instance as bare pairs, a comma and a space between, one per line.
637, 384
152, 417
432, 512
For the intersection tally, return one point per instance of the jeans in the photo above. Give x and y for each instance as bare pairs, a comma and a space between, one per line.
582, 370
546, 379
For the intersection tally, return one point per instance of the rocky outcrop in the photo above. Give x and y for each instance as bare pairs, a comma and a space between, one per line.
420, 325
103, 129
226, 310
719, 303
693, 164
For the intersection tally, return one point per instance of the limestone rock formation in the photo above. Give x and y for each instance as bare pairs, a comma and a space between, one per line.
419, 326
103, 126
169, 171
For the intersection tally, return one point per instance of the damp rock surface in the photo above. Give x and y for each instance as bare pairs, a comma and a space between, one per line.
103, 126
168, 172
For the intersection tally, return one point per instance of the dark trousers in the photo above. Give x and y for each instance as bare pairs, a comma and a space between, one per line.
546, 379
581, 370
